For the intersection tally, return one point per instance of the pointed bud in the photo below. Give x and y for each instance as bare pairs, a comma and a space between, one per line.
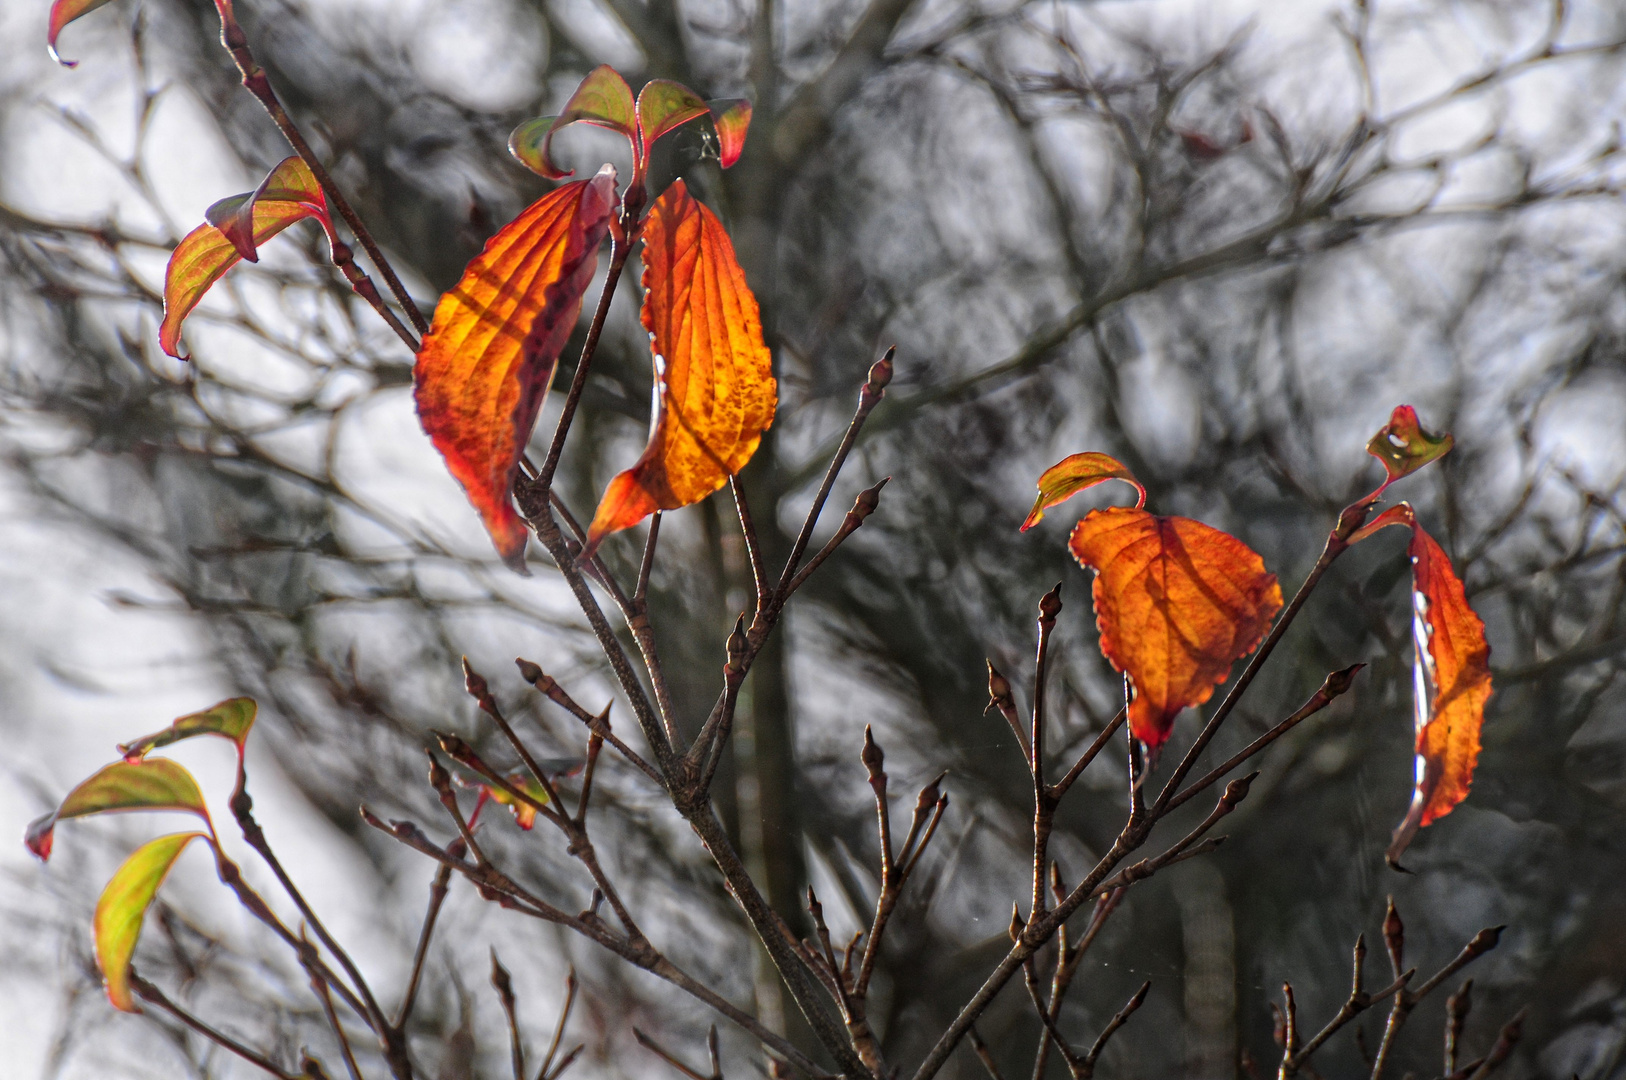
737, 644
880, 375
1017, 925
999, 691
1394, 937
1050, 605
872, 756
527, 670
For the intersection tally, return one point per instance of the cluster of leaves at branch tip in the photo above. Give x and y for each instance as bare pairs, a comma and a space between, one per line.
139, 782
1178, 602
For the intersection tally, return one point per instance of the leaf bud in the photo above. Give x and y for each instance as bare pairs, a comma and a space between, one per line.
1236, 791
1394, 936
999, 690
528, 671
1339, 682
1017, 925
872, 756
864, 505
880, 376
1050, 605
737, 644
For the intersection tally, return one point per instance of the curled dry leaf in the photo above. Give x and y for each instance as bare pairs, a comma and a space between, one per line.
714, 386
488, 360
1074, 474
1451, 680
1177, 603
234, 229
155, 784
122, 907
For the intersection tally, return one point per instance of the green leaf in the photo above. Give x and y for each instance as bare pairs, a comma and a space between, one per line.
158, 784
64, 12
123, 905
603, 99
1071, 475
664, 105
1404, 447
230, 719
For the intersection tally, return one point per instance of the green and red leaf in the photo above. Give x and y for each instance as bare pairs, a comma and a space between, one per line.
485, 366
230, 719
731, 117
714, 387
603, 99
155, 784
1177, 603
664, 105
123, 906
234, 229
1404, 447
1074, 474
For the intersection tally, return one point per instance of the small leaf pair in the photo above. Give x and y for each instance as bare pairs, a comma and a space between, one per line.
605, 100
485, 367
1177, 602
234, 228
142, 783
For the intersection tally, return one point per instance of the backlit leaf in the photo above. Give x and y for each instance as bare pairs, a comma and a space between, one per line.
1071, 475
1177, 603
664, 105
732, 119
230, 719
603, 99
486, 364
714, 386
289, 194
1451, 681
64, 12
524, 813
1404, 447
122, 907
156, 784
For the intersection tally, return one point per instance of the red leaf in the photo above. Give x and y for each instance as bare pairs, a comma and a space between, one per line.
235, 228
715, 391
64, 12
662, 106
488, 360
732, 119
1177, 603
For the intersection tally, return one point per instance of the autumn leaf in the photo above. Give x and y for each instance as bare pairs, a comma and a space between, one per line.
156, 784
1177, 603
714, 385
1074, 474
664, 105
603, 99
234, 229
1451, 680
122, 907
64, 12
731, 117
231, 719
486, 364
1404, 447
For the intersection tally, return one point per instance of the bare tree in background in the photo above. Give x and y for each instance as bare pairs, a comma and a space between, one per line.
1219, 251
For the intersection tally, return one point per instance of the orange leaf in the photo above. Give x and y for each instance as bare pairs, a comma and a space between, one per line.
235, 228
485, 367
1177, 603
1451, 684
714, 385
662, 106
1074, 474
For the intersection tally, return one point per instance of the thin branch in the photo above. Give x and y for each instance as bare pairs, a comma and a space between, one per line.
319, 985
692, 1073
504, 985
437, 896
640, 592
150, 993
753, 550
559, 1027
